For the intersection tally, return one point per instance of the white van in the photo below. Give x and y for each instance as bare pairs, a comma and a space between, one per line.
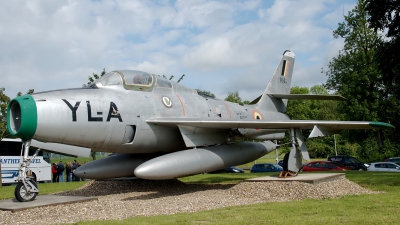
10, 156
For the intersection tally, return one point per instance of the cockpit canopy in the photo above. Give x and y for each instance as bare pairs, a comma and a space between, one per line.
133, 80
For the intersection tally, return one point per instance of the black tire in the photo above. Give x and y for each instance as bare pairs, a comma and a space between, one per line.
285, 162
22, 195
34, 177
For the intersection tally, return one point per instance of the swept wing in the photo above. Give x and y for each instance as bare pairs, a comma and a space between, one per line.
260, 124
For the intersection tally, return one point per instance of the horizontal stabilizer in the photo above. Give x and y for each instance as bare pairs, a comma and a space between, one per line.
309, 97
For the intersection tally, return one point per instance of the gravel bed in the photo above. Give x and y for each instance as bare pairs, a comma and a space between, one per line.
123, 199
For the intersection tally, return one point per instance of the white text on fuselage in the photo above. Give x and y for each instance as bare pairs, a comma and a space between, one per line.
112, 112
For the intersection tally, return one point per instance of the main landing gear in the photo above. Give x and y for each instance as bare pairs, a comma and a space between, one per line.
286, 173
292, 162
26, 189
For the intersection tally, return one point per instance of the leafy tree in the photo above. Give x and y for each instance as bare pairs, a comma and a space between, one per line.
234, 97
368, 79
4, 99
384, 15
354, 73
95, 77
299, 109
205, 93
304, 109
29, 92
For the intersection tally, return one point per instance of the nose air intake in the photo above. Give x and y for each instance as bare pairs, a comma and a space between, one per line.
22, 117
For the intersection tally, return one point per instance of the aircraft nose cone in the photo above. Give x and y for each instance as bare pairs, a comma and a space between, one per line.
22, 117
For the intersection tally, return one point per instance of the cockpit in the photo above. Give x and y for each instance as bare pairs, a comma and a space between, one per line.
133, 80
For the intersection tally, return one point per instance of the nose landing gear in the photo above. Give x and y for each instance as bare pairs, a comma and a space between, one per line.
26, 189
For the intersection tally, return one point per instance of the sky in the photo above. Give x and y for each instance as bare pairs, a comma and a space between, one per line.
220, 46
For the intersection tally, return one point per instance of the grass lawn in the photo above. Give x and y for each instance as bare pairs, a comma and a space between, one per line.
44, 188
365, 209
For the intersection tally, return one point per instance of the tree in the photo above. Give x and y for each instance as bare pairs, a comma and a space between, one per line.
384, 14
29, 92
354, 73
385, 17
205, 93
304, 109
95, 77
4, 99
299, 109
357, 74
234, 97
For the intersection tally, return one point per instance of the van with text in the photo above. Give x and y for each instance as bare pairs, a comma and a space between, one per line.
10, 158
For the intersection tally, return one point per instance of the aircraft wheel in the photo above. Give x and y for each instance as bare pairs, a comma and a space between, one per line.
22, 195
34, 177
285, 162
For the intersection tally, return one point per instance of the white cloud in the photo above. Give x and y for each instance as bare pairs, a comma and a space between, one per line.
221, 46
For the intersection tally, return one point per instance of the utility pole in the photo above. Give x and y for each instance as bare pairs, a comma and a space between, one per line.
334, 138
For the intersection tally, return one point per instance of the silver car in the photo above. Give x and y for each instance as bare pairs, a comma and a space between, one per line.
384, 166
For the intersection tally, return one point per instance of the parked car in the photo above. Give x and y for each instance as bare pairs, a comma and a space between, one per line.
232, 169
349, 161
384, 166
266, 167
395, 160
324, 166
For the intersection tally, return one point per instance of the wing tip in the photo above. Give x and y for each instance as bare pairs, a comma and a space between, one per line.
381, 125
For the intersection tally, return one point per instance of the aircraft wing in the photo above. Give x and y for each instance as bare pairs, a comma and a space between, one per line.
214, 131
264, 124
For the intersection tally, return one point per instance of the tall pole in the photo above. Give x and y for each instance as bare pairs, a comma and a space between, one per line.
276, 151
334, 138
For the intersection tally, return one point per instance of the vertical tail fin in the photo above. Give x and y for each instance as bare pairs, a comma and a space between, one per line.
279, 84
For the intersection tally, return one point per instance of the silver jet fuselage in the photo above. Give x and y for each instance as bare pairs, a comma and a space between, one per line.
110, 115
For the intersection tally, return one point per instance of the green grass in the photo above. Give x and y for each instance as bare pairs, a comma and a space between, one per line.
365, 209
7, 192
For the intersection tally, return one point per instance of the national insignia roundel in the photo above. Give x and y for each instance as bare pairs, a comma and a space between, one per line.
257, 115
167, 102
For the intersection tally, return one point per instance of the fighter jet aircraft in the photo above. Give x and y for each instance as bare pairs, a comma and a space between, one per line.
159, 129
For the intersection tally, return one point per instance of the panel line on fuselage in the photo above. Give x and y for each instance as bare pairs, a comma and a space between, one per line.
229, 110
183, 107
